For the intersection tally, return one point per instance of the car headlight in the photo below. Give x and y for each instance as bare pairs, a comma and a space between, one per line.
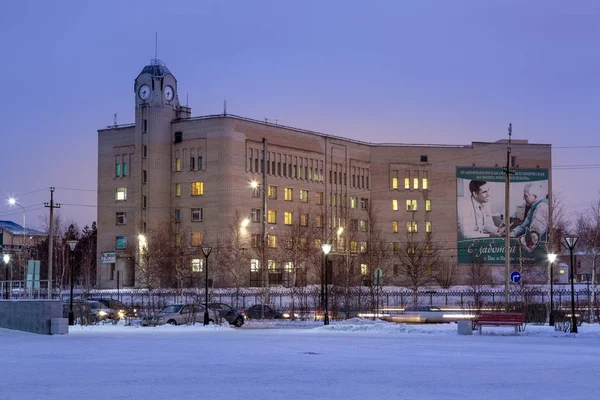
121, 314
286, 315
102, 313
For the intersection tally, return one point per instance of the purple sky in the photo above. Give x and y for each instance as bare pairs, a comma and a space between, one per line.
382, 71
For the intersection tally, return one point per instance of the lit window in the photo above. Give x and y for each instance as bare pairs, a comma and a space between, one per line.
178, 164
411, 226
272, 241
395, 247
196, 265
395, 205
121, 218
254, 265
288, 194
121, 242
121, 194
288, 266
197, 238
319, 197
416, 180
427, 205
411, 205
304, 196
395, 226
364, 269
272, 192
362, 247
303, 219
353, 201
425, 181
407, 180
178, 189
288, 218
272, 216
318, 243
362, 225
427, 226
197, 188
197, 214
353, 247
394, 183
272, 265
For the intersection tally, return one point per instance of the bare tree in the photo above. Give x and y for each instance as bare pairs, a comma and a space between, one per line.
446, 273
588, 230
418, 258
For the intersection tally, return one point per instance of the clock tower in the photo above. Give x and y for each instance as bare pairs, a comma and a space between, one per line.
156, 106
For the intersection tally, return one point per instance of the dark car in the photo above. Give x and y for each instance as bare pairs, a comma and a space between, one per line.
121, 309
256, 312
233, 316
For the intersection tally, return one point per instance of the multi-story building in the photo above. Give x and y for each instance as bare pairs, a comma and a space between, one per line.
168, 167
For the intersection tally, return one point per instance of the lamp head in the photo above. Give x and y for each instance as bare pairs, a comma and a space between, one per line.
571, 241
72, 244
6, 258
326, 248
254, 184
206, 250
245, 222
552, 257
12, 201
340, 231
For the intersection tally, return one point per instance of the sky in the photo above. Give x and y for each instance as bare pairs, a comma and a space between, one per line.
381, 71
353, 359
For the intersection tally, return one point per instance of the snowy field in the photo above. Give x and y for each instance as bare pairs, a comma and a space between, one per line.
355, 359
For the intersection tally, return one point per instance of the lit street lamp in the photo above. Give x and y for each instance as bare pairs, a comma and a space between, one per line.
326, 249
13, 202
206, 250
72, 244
6, 258
551, 259
571, 242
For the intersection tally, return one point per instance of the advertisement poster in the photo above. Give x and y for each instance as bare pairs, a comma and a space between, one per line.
481, 221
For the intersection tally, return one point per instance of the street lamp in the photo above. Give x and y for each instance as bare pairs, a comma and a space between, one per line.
6, 258
72, 244
326, 249
206, 250
571, 242
551, 259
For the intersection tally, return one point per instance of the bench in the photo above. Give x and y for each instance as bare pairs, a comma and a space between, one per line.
500, 319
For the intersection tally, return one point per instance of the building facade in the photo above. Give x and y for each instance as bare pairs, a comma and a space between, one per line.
170, 169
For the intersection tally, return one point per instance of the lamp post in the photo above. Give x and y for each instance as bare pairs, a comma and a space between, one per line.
571, 242
326, 249
6, 259
551, 259
72, 244
206, 250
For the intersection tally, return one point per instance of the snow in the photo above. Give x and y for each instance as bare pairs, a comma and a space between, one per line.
353, 359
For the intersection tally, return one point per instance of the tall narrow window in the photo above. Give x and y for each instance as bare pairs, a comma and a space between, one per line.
416, 180
395, 226
272, 216
407, 179
394, 183
303, 196
353, 201
144, 125
395, 205
427, 226
192, 163
288, 218
178, 164
125, 169
201, 163
144, 202
255, 215
145, 151
425, 181
177, 215
178, 190
303, 219
118, 170
272, 192
144, 176
272, 240
427, 205
319, 197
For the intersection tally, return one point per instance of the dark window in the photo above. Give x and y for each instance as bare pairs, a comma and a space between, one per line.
423, 158
145, 151
144, 176
178, 137
192, 163
144, 125
200, 162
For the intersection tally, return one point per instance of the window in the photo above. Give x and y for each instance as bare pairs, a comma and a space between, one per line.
303, 196
288, 194
319, 221
272, 192
364, 269
256, 240
423, 158
362, 247
192, 163
272, 241
121, 194
416, 180
362, 225
353, 246
125, 169
196, 214
394, 183
121, 242
411, 205
288, 218
272, 216
513, 161
396, 268
428, 226
425, 181
407, 180
303, 219
395, 205
121, 218
145, 151
319, 197
256, 191
196, 265
177, 215
177, 189
178, 137
197, 188
395, 247
353, 224
364, 203
288, 266
178, 164
144, 202
118, 170
411, 226
272, 266
353, 201
427, 205
255, 215
197, 238
395, 226
144, 176
254, 265
144, 125
200, 163
288, 243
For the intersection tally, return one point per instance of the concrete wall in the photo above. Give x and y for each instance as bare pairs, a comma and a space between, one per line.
29, 316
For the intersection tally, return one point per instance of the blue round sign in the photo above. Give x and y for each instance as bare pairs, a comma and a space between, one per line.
515, 276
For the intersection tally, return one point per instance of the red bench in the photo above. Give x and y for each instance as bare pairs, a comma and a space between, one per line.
500, 319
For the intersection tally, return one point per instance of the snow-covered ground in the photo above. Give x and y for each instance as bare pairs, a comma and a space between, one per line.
354, 359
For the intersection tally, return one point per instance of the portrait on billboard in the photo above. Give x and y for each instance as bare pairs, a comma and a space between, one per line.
481, 220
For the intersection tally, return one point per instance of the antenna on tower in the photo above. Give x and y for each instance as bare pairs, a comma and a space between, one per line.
187, 104
509, 132
224, 107
156, 45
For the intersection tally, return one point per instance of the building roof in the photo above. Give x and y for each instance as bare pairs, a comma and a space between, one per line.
16, 229
157, 68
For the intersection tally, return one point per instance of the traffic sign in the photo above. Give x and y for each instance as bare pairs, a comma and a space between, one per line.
515, 277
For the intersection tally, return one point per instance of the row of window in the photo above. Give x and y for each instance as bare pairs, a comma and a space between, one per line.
417, 176
411, 205
286, 166
196, 189
192, 165
411, 226
122, 166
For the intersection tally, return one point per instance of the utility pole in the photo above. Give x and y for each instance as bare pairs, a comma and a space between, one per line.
265, 274
507, 171
51, 239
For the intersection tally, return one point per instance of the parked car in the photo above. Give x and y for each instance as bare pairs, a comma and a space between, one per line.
87, 311
233, 316
121, 309
256, 312
176, 314
425, 314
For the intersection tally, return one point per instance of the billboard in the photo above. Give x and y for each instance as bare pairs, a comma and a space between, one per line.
480, 215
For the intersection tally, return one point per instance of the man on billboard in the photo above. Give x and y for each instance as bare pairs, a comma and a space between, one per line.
474, 215
535, 225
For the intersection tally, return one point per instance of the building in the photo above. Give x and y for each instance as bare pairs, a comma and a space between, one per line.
195, 172
15, 238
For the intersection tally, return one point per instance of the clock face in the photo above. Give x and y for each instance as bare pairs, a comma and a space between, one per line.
144, 92
169, 93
